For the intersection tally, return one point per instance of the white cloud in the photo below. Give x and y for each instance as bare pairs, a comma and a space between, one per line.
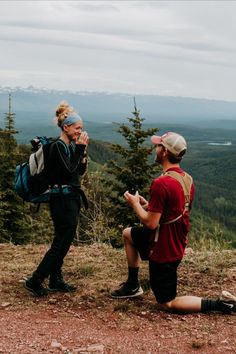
175, 47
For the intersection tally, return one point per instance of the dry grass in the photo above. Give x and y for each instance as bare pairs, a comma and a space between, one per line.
98, 268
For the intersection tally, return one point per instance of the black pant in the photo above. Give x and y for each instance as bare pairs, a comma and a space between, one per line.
64, 211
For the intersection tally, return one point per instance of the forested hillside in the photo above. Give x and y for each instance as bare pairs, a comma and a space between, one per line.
209, 159
214, 171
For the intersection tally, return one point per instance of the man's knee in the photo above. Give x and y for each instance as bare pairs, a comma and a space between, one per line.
126, 234
166, 306
173, 306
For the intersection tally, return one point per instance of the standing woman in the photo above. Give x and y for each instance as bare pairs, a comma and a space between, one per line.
67, 161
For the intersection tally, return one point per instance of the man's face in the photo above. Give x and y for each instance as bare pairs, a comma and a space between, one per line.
160, 153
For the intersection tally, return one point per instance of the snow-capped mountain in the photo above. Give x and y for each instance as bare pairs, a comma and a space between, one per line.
38, 105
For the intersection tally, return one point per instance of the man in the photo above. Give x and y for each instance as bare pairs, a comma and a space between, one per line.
163, 237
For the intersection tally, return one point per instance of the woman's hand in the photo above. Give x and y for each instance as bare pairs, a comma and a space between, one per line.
83, 139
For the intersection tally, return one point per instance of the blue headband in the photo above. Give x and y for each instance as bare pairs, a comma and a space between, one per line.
71, 119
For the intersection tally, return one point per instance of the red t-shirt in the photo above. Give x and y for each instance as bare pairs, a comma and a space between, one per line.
167, 198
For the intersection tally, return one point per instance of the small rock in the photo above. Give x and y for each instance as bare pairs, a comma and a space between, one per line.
52, 301
224, 341
211, 342
188, 250
55, 344
95, 348
80, 349
5, 304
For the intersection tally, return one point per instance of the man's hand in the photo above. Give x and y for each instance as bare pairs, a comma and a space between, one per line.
132, 199
137, 202
143, 202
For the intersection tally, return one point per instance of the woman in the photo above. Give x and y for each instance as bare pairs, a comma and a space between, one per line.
67, 161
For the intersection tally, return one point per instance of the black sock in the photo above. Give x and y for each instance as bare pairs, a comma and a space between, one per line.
216, 305
208, 305
133, 275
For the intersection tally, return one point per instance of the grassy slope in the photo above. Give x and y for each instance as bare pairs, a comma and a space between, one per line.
98, 268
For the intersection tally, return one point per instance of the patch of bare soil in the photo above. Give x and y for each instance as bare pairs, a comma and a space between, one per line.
89, 321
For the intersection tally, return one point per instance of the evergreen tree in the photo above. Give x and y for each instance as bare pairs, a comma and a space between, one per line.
134, 172
12, 219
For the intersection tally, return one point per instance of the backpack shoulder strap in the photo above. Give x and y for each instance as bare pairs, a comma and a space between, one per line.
66, 147
185, 181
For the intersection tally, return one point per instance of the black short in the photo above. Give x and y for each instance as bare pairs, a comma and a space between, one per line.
163, 280
163, 276
141, 237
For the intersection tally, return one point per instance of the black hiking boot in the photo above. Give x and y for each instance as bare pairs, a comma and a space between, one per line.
127, 290
35, 287
58, 284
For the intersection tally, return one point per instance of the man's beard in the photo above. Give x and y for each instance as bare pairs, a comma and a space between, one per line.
159, 157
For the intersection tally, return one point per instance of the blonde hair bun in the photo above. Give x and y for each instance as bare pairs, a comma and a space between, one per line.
62, 111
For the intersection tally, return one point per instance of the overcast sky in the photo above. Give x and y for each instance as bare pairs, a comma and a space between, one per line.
176, 48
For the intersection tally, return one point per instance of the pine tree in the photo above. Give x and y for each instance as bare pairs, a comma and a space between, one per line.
12, 220
135, 172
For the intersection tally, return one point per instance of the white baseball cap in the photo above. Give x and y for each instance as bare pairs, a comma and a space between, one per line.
173, 142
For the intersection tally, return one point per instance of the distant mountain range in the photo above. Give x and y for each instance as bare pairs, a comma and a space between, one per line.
35, 108
103, 107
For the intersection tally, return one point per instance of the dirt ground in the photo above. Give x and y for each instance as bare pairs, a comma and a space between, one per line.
89, 321
58, 329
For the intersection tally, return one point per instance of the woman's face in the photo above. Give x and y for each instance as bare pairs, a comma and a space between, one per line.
73, 131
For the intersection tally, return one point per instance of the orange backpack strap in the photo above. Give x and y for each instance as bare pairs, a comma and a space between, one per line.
186, 182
